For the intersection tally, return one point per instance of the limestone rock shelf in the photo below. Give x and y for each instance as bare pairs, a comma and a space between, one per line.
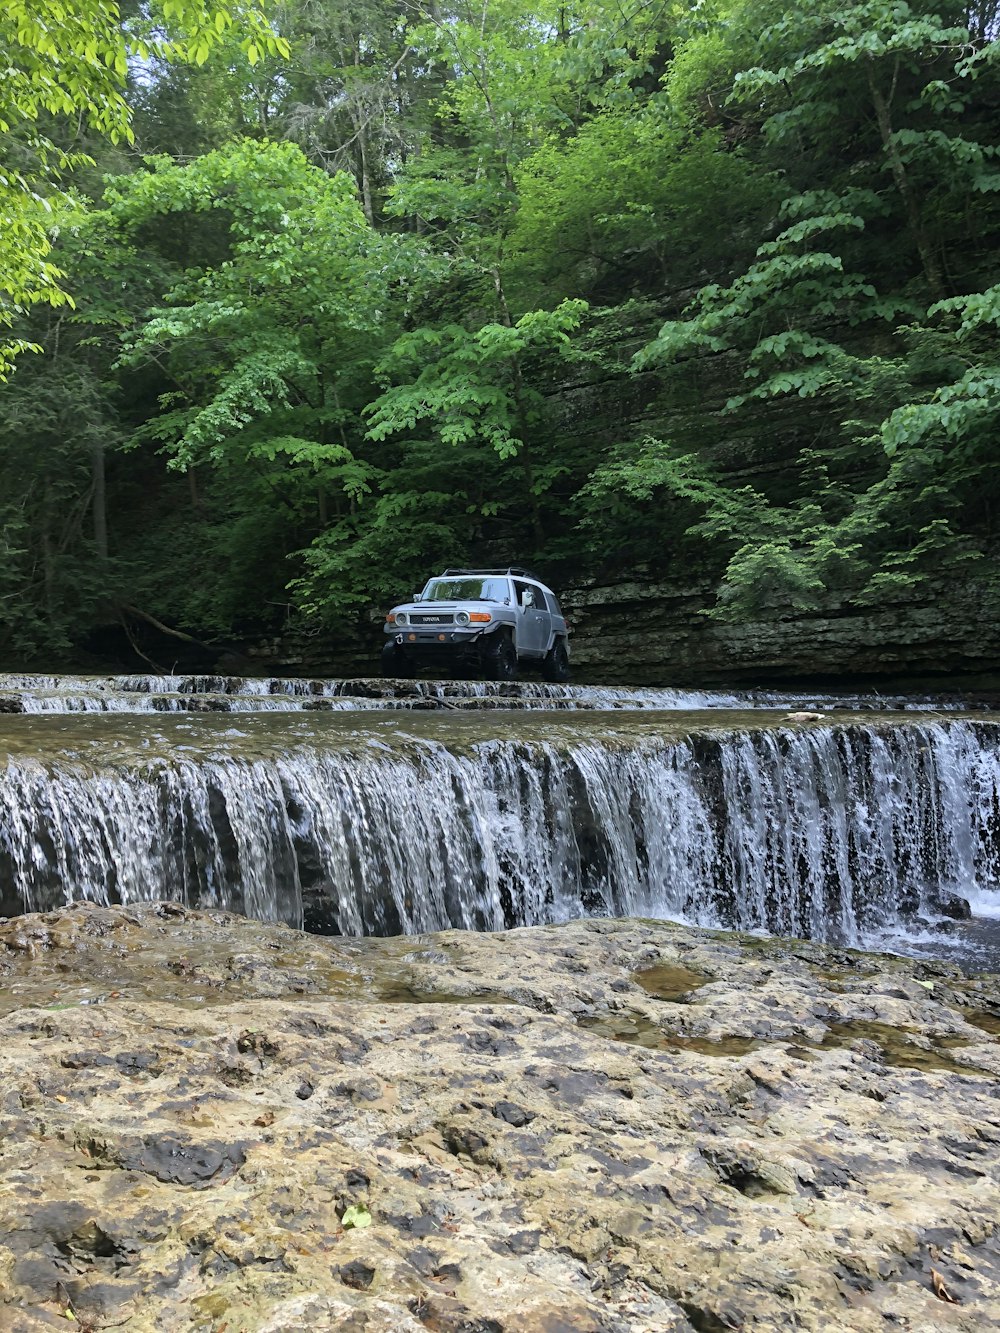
606, 1125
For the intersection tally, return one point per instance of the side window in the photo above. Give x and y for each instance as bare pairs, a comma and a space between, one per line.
553, 605
525, 594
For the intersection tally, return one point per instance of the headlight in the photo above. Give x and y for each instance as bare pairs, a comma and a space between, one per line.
461, 617
401, 618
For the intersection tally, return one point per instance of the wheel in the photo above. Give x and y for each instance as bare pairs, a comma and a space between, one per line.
395, 663
502, 662
555, 665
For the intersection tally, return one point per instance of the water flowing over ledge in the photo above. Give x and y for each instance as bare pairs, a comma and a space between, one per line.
243, 694
376, 825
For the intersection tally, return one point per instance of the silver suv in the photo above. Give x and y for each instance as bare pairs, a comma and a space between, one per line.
488, 621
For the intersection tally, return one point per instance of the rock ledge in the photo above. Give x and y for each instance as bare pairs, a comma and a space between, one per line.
607, 1125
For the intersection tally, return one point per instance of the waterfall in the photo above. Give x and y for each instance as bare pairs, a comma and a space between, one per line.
239, 694
365, 828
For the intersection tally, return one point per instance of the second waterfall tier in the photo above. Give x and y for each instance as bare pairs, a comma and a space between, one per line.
378, 825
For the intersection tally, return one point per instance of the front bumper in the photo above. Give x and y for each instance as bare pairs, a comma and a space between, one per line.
430, 642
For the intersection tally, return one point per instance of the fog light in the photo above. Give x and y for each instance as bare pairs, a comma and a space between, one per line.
412, 638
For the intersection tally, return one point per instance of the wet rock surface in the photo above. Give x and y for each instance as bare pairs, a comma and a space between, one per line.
208, 1123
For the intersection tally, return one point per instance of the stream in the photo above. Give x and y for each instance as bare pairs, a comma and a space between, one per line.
384, 808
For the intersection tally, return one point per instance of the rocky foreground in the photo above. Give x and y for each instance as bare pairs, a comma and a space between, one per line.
209, 1124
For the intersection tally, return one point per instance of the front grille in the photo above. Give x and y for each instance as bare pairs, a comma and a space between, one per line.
442, 619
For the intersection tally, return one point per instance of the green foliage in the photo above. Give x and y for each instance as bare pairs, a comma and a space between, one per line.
246, 342
50, 580
265, 355
803, 320
68, 59
469, 386
712, 289
473, 455
630, 194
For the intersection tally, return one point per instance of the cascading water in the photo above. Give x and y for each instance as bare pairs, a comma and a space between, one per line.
367, 823
237, 694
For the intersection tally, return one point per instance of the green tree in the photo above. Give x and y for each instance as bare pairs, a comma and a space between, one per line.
61, 421
67, 60
874, 302
264, 353
346, 94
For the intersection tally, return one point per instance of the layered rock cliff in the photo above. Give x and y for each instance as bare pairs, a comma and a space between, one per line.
639, 628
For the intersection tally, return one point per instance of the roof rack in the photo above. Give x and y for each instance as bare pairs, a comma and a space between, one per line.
517, 570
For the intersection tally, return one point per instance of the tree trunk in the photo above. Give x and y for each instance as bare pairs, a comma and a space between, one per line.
361, 130
99, 503
928, 259
521, 411
48, 555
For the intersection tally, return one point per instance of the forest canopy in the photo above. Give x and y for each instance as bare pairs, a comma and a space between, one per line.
300, 301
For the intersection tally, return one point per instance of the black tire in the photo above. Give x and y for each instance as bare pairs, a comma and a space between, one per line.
555, 665
501, 663
395, 664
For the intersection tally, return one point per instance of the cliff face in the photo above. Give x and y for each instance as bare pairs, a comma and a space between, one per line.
641, 630
646, 631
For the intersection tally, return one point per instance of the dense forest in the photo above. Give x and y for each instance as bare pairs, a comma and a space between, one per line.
300, 304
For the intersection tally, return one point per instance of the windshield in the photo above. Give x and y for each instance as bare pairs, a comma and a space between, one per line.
466, 590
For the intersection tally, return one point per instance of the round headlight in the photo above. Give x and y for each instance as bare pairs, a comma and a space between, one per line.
401, 618
461, 617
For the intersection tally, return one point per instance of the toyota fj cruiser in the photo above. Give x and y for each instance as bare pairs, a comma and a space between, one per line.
485, 621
